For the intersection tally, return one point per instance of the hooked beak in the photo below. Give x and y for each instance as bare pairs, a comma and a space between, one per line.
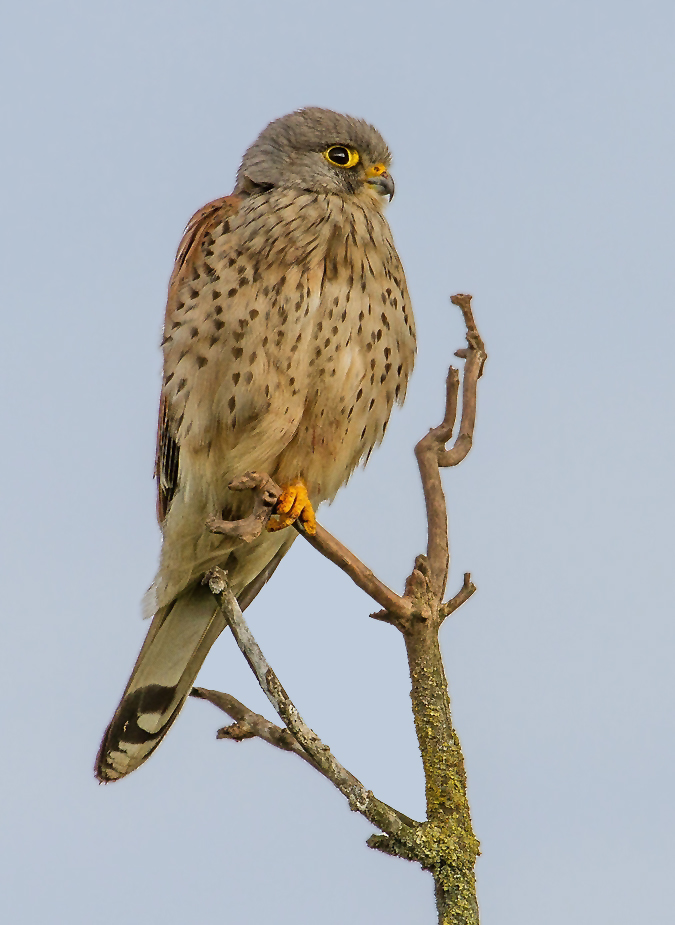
380, 179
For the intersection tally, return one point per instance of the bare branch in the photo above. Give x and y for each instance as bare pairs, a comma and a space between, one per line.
359, 573
251, 724
360, 800
443, 432
427, 452
237, 732
460, 598
431, 453
266, 495
475, 357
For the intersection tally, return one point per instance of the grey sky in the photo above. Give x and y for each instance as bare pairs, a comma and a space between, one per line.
534, 152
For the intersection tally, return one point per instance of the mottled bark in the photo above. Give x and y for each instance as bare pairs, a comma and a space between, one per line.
445, 843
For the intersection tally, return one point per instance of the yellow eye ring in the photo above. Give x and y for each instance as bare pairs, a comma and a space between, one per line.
341, 156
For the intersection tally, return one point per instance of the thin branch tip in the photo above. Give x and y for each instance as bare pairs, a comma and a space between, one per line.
216, 579
236, 732
468, 588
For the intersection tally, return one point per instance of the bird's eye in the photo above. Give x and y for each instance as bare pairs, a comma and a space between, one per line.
340, 156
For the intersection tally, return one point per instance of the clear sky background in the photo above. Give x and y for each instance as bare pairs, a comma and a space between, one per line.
534, 159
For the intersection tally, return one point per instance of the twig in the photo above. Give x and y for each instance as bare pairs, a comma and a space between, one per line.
359, 573
460, 598
265, 498
266, 494
360, 800
431, 452
475, 357
250, 724
427, 452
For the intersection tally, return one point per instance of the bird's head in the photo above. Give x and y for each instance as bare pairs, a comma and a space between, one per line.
319, 151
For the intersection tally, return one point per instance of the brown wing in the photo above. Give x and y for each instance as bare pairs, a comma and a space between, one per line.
168, 450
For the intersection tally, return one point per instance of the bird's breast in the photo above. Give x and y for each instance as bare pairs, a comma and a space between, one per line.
293, 340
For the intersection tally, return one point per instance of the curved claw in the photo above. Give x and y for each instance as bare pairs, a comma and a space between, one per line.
294, 504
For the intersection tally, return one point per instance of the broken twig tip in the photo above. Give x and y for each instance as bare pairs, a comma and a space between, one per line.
216, 579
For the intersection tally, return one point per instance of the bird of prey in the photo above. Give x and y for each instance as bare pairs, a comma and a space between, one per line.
288, 338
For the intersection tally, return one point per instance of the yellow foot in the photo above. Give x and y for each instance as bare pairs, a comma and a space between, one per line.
294, 504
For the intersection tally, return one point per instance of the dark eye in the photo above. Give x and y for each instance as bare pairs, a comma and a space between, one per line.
340, 156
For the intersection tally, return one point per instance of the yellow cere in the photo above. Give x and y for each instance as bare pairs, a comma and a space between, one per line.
376, 170
342, 156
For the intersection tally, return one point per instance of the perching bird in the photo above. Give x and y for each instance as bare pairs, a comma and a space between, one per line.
288, 338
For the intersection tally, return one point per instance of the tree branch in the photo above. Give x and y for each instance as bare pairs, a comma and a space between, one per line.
360, 800
266, 494
460, 598
427, 452
250, 725
265, 498
431, 452
475, 357
360, 574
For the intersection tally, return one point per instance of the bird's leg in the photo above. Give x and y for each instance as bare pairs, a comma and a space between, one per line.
294, 504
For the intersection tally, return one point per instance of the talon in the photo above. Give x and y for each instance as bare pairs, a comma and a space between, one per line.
308, 519
294, 504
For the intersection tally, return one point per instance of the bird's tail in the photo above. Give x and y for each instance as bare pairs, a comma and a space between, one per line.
177, 643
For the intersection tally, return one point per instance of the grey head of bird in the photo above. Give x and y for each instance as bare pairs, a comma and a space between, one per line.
319, 151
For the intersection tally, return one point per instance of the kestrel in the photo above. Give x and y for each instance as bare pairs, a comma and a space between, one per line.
288, 339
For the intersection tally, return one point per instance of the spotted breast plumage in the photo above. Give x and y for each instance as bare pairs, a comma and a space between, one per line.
288, 339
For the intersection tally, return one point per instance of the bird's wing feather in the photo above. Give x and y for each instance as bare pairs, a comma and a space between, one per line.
168, 450
253, 588
182, 632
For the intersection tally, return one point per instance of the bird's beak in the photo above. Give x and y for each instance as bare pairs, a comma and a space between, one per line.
380, 179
